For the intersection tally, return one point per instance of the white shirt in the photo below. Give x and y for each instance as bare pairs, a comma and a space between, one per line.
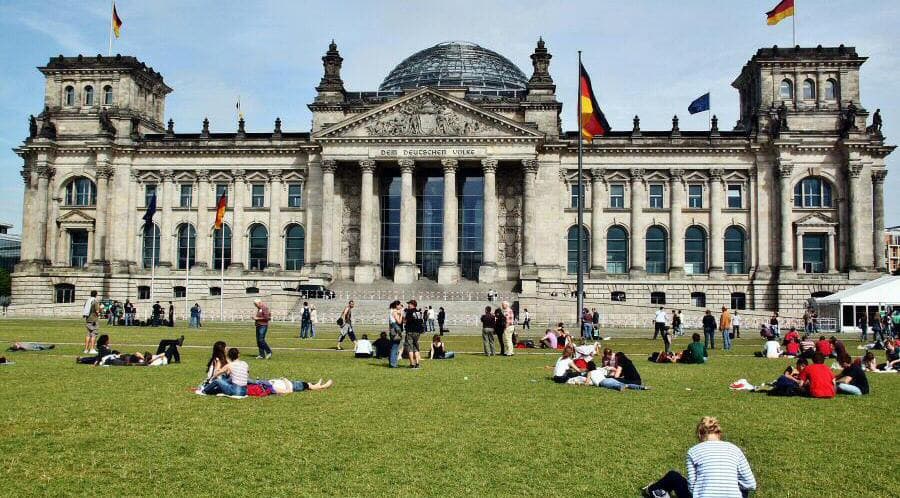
239, 372
660, 316
773, 349
735, 320
562, 366
586, 351
363, 346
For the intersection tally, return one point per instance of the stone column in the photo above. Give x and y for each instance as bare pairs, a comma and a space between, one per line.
530, 167
104, 172
164, 203
716, 235
42, 200
365, 269
276, 235
598, 239
857, 237
28, 235
238, 237
637, 234
832, 248
487, 273
784, 170
754, 222
204, 223
448, 272
326, 260
133, 223
878, 218
676, 224
799, 247
405, 270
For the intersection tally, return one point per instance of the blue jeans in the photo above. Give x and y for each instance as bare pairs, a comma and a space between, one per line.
224, 386
312, 329
709, 338
299, 385
394, 358
305, 327
587, 331
848, 389
195, 322
264, 349
449, 355
726, 338
617, 385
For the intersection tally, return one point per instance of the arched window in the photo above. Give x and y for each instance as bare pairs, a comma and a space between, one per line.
221, 239
187, 246
812, 192
786, 90
657, 250
831, 90
65, 293
107, 95
735, 256
809, 90
259, 247
89, 95
70, 96
572, 238
616, 250
695, 250
81, 192
294, 247
150, 246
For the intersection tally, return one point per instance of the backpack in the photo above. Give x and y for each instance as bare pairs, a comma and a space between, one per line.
305, 315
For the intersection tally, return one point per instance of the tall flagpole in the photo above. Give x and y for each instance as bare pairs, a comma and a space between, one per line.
222, 275
187, 273
579, 286
111, 20
152, 257
794, 25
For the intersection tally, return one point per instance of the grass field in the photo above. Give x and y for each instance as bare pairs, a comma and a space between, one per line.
69, 429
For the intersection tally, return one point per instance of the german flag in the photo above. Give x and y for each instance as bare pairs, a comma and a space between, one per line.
116, 22
782, 11
220, 210
593, 122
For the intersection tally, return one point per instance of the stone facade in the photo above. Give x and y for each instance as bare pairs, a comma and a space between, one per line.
786, 205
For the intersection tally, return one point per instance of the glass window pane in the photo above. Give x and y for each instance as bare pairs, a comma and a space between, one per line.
695, 196
616, 250
734, 196
656, 250
695, 250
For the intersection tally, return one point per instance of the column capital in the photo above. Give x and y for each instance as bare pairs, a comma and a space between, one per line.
274, 175
878, 175
105, 172
329, 165
489, 165
203, 175
676, 175
530, 165
784, 168
716, 174
753, 172
367, 165
449, 165
167, 175
637, 174
46, 172
406, 165
238, 174
598, 175
854, 168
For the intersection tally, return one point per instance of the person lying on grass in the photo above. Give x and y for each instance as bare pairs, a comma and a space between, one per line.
103, 350
230, 379
263, 388
30, 346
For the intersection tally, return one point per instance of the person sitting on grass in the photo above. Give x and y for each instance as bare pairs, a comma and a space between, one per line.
218, 360
231, 379
438, 350
382, 346
792, 347
840, 350
565, 367
824, 346
563, 338
852, 379
714, 468
765, 332
103, 351
807, 347
868, 362
891, 355
549, 340
771, 349
363, 347
609, 359
792, 334
625, 375
816, 380
696, 351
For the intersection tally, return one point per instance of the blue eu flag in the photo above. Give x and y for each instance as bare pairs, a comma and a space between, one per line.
699, 105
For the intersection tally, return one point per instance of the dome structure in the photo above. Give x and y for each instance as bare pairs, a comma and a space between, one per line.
456, 63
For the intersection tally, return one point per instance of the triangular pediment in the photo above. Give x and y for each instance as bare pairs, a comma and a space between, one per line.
75, 217
815, 219
427, 113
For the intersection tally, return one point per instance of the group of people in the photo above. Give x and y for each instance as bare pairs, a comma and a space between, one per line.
309, 317
615, 370
816, 380
499, 323
166, 352
793, 345
884, 324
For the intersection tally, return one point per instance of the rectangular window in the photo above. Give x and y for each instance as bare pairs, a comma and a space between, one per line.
695, 196
78, 248
143, 292
815, 253
735, 199
617, 196
295, 195
187, 193
221, 189
149, 192
258, 196
656, 196
575, 197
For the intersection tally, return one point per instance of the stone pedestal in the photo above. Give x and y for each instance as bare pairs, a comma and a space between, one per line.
364, 273
487, 274
404, 273
448, 274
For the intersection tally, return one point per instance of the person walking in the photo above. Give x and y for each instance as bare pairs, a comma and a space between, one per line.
487, 331
305, 321
526, 320
676, 323
709, 330
725, 327
510, 323
736, 324
395, 326
345, 322
441, 318
413, 326
313, 319
261, 320
171, 314
91, 313
129, 313
499, 327
659, 322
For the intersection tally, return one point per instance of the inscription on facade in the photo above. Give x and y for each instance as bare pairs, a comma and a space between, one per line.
427, 152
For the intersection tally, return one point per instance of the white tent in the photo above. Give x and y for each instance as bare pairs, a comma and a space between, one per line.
849, 305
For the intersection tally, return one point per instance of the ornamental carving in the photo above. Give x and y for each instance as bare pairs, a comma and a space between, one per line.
878, 175
855, 169
510, 214
350, 184
489, 165
425, 116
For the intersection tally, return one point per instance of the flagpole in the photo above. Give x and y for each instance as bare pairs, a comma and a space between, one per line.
222, 275
187, 273
579, 285
152, 257
112, 9
794, 25
709, 111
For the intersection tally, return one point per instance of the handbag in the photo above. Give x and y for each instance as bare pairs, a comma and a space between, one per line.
340, 321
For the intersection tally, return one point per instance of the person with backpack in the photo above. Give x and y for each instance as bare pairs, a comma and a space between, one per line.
414, 326
345, 322
487, 331
305, 321
499, 327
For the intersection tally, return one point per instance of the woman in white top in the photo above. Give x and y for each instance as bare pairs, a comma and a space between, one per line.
715, 468
235, 384
565, 367
314, 318
395, 334
363, 348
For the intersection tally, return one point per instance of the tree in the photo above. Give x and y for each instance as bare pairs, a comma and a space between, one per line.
5, 283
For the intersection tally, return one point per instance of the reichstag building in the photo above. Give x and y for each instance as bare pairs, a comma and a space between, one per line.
456, 168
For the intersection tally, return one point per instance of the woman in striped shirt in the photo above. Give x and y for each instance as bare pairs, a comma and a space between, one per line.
716, 469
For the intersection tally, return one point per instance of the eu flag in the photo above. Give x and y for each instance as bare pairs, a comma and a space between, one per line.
151, 210
699, 105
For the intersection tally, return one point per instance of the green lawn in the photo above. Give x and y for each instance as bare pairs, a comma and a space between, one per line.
69, 429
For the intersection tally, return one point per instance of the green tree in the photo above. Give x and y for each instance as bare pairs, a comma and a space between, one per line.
5, 283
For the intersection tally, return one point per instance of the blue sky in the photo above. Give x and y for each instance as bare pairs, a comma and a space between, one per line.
649, 58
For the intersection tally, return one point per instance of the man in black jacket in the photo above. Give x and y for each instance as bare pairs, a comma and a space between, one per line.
709, 330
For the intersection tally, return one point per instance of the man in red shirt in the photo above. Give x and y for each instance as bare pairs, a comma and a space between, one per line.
816, 380
824, 346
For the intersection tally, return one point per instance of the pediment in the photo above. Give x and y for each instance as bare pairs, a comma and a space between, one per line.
427, 113
815, 219
655, 176
617, 176
75, 217
695, 176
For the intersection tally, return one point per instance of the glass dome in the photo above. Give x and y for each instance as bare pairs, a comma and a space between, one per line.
456, 63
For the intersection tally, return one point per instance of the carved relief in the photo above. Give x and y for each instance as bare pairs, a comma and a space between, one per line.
510, 189
425, 116
349, 186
